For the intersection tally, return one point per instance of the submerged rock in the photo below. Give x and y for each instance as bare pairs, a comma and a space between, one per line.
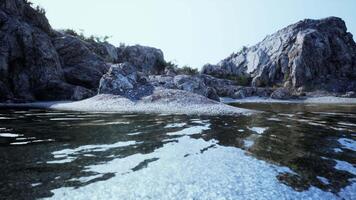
315, 54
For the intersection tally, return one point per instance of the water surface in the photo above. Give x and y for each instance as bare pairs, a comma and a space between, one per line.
290, 151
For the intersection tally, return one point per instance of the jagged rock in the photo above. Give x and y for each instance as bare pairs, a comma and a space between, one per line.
124, 80
349, 95
61, 90
316, 54
223, 87
39, 63
27, 57
21, 10
5, 93
162, 81
31, 68
81, 66
105, 50
243, 92
282, 94
195, 85
146, 59
188, 83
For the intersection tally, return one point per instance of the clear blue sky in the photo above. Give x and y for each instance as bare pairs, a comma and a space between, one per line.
192, 32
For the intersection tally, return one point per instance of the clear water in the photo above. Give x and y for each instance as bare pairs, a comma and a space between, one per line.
288, 152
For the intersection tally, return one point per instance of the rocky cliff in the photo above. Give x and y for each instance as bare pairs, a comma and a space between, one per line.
306, 56
39, 63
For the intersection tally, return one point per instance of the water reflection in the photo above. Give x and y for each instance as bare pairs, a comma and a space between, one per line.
302, 147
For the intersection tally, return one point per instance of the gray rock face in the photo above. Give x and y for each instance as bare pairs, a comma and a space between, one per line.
81, 66
105, 50
315, 54
349, 95
38, 63
282, 94
27, 56
146, 59
30, 66
124, 80
193, 84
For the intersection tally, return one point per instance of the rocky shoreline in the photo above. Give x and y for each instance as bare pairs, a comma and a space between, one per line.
309, 59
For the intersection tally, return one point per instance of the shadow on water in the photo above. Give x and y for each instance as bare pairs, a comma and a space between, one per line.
44, 150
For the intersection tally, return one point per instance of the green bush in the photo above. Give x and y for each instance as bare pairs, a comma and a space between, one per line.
28, 2
171, 66
188, 70
240, 80
38, 8
90, 39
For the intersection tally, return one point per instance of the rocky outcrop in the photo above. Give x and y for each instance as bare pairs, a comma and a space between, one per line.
105, 50
282, 94
30, 66
313, 54
194, 84
124, 89
27, 57
39, 63
146, 59
124, 80
80, 65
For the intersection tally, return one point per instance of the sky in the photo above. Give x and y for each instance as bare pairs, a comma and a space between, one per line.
190, 32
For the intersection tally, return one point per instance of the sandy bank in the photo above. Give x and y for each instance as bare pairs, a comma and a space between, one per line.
309, 100
189, 105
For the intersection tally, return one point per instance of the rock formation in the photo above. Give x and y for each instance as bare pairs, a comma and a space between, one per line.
39, 63
306, 56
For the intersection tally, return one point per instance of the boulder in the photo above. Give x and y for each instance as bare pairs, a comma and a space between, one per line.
164, 81
194, 84
105, 51
81, 66
124, 80
55, 90
350, 94
148, 60
282, 94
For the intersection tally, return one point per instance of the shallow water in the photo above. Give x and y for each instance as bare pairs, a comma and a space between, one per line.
290, 151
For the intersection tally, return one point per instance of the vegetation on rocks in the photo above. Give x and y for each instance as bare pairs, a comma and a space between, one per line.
186, 70
90, 39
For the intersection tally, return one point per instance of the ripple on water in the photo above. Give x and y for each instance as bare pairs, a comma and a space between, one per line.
179, 157
347, 143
